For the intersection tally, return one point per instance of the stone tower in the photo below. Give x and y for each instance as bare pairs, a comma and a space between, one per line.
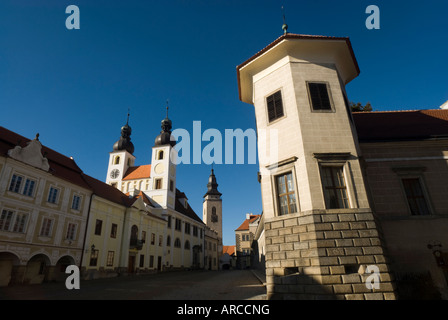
212, 208
320, 232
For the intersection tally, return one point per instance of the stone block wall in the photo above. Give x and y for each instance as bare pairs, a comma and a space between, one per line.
323, 254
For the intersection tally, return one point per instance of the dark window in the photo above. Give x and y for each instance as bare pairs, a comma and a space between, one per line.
98, 226
113, 230
214, 215
320, 99
93, 258
335, 191
275, 106
416, 199
286, 195
178, 225
158, 184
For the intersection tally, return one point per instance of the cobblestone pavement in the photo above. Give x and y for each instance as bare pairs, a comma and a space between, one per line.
181, 285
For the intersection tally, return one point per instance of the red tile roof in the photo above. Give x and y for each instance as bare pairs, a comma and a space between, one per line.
245, 224
139, 172
401, 125
61, 166
295, 36
230, 250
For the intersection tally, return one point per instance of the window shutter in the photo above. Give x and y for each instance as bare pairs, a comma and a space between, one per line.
319, 96
275, 106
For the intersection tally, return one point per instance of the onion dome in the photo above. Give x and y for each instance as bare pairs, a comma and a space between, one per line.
125, 140
164, 137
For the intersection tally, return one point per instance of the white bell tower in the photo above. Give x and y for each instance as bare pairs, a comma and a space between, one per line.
121, 158
163, 167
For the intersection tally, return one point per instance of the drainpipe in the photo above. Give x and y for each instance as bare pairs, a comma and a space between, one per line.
85, 233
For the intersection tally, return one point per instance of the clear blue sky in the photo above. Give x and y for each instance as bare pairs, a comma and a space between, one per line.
74, 86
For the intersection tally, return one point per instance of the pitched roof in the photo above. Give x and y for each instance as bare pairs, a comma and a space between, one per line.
138, 172
108, 192
186, 211
61, 166
247, 222
230, 250
401, 125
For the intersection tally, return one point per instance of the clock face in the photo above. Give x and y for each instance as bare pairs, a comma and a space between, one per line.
114, 173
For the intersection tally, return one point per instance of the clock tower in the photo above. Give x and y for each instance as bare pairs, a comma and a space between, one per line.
121, 158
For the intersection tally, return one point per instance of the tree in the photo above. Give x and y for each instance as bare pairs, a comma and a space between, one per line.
358, 107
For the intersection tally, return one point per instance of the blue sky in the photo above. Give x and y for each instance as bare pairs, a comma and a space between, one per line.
74, 86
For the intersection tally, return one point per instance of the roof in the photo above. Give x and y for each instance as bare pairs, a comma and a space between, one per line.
230, 250
61, 166
108, 192
348, 54
186, 211
401, 125
138, 172
247, 222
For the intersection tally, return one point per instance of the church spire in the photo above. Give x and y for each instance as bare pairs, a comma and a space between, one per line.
165, 135
212, 185
125, 140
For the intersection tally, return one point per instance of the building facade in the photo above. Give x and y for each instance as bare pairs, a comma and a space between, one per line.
320, 230
44, 205
53, 215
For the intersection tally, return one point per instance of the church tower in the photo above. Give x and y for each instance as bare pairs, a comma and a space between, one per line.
163, 167
321, 235
121, 158
212, 208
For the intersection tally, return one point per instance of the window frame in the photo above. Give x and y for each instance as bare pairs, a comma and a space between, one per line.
56, 197
330, 98
45, 230
332, 166
281, 169
414, 172
22, 187
277, 118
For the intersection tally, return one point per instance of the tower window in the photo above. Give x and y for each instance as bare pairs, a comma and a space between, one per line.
319, 96
335, 191
275, 106
158, 184
160, 157
214, 215
117, 160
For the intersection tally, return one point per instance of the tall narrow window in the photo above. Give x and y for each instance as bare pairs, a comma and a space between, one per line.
98, 226
320, 99
20, 222
275, 106
335, 191
415, 196
285, 194
16, 182
71, 231
53, 195
158, 184
160, 155
5, 220
29, 187
76, 202
45, 229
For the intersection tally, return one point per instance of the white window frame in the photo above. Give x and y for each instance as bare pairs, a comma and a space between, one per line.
43, 227
23, 183
56, 200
